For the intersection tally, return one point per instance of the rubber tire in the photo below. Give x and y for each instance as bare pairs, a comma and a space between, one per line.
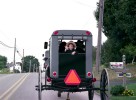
45, 77
59, 94
104, 83
40, 84
91, 94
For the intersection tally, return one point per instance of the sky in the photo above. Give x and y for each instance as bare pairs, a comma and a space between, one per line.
32, 22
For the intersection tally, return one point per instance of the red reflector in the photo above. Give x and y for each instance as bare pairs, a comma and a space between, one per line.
49, 79
72, 78
88, 33
56, 33
94, 80
54, 73
89, 74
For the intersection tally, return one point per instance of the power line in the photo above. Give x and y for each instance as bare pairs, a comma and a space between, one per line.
6, 36
8, 41
5, 45
11, 47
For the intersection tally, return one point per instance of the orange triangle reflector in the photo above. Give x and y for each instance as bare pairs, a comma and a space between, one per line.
72, 78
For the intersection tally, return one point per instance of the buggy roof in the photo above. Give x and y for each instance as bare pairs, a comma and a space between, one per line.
72, 32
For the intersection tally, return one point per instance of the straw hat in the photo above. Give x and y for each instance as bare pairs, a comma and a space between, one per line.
71, 42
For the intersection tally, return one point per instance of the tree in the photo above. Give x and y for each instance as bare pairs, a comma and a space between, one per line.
34, 63
119, 26
130, 50
110, 52
3, 61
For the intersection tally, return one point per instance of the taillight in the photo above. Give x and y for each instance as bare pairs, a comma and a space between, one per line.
56, 33
89, 74
94, 79
88, 33
54, 73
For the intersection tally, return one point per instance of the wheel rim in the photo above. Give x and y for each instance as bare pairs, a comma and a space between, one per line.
40, 85
59, 94
91, 92
104, 85
45, 77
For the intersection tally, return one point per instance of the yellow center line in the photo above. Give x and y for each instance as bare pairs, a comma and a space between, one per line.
7, 93
14, 90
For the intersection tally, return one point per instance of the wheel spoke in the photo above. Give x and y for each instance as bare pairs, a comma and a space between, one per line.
106, 94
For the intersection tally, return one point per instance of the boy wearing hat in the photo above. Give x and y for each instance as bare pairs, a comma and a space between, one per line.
70, 48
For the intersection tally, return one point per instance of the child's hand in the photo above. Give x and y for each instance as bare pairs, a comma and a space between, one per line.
73, 53
66, 47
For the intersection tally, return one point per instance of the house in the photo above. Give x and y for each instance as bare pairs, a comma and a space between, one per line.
17, 66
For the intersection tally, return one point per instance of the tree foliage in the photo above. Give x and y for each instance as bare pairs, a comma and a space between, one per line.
3, 61
119, 26
130, 50
34, 63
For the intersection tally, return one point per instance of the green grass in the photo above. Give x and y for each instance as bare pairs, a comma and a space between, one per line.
131, 87
123, 98
5, 71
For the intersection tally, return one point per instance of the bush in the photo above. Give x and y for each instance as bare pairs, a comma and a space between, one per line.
4, 71
117, 90
106, 65
128, 93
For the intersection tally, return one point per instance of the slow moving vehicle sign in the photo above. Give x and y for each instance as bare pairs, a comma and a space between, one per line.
72, 78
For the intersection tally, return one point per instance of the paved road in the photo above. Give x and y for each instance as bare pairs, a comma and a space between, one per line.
22, 87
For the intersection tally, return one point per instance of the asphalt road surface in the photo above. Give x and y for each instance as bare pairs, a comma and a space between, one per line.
22, 87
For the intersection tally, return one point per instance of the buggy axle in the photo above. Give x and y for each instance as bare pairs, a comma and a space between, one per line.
73, 89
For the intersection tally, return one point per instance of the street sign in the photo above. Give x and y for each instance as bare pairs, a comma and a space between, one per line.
116, 65
124, 75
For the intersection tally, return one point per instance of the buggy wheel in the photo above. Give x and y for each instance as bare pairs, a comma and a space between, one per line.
39, 85
46, 77
59, 94
104, 85
91, 92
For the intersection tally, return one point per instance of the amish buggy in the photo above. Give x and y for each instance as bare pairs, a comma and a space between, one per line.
71, 72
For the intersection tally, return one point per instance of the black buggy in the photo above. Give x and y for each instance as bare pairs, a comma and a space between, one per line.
71, 73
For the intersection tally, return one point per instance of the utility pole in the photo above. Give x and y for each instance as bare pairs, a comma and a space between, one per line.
100, 24
30, 66
23, 61
124, 70
14, 61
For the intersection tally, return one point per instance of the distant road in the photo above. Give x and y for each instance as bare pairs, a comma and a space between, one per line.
22, 87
